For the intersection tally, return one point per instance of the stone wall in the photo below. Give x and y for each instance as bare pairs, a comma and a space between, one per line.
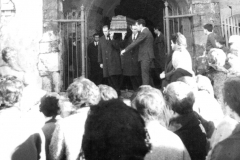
207, 12
22, 30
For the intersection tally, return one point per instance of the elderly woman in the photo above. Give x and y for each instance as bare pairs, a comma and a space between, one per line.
206, 106
21, 138
229, 148
181, 60
150, 104
67, 137
115, 131
217, 72
183, 121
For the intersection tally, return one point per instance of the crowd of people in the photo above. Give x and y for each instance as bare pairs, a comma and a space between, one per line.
192, 116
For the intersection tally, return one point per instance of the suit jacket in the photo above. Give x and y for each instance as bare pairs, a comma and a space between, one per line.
109, 56
130, 64
159, 52
189, 129
93, 59
145, 42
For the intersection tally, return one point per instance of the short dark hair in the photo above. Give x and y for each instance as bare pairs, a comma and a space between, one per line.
141, 21
105, 26
179, 97
96, 34
231, 92
158, 28
49, 104
114, 131
208, 27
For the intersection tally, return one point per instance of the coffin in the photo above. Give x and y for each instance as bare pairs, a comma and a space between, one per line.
119, 24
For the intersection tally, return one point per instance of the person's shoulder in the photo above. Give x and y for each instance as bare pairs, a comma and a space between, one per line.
75, 118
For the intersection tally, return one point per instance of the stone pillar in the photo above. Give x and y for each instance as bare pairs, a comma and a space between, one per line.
49, 65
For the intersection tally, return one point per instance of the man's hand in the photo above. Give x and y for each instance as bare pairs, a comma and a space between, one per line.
101, 65
123, 51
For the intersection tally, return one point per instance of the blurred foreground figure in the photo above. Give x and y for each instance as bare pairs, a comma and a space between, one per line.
114, 131
228, 149
21, 136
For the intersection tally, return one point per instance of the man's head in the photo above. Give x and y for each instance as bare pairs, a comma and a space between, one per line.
49, 105
157, 30
140, 24
96, 37
105, 30
134, 29
208, 28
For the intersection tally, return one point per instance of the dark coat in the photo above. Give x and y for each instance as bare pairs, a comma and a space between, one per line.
191, 134
145, 42
211, 42
130, 64
159, 52
93, 59
109, 56
174, 75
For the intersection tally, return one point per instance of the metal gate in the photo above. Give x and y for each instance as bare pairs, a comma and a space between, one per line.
72, 32
230, 26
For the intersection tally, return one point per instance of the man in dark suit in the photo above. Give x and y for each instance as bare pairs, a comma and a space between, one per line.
109, 59
160, 56
146, 54
130, 65
96, 72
